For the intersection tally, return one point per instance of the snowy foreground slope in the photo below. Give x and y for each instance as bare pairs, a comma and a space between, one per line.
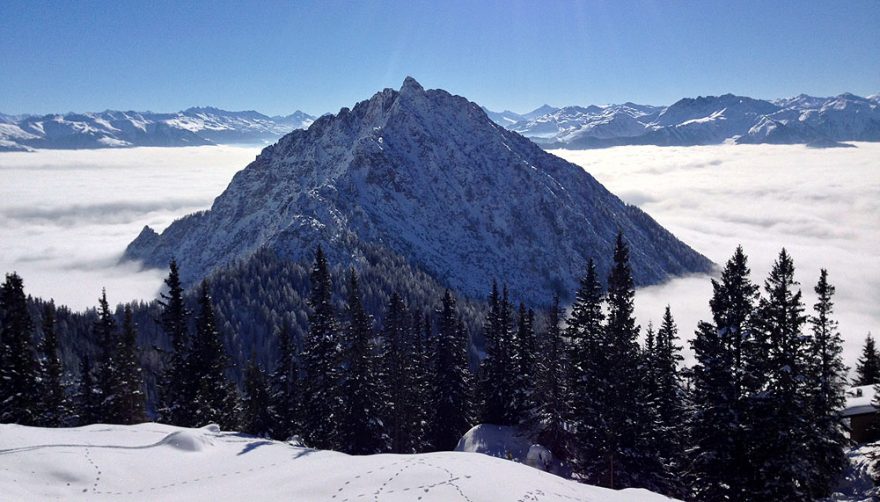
160, 462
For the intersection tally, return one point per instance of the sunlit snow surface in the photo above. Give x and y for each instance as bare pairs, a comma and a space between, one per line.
822, 205
160, 462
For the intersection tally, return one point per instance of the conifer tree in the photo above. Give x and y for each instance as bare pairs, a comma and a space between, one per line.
256, 415
107, 375
551, 386
399, 364
523, 363
132, 400
778, 421
322, 402
285, 389
667, 400
720, 441
586, 363
215, 398
175, 385
54, 407
451, 380
19, 370
88, 397
361, 422
497, 402
868, 365
417, 409
627, 459
826, 384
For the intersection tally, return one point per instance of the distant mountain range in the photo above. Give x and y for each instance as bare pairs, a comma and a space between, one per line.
426, 176
193, 126
814, 121
702, 121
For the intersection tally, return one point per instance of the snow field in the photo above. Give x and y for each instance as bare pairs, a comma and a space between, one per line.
160, 462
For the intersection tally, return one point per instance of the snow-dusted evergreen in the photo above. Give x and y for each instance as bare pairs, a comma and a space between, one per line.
322, 363
427, 176
360, 422
868, 364
19, 376
450, 380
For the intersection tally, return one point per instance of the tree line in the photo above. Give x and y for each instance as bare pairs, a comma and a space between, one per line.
755, 418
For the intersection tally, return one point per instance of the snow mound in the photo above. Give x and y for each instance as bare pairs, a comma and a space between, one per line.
214, 428
513, 444
187, 440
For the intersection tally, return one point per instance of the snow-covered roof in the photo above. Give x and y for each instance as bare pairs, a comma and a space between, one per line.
858, 401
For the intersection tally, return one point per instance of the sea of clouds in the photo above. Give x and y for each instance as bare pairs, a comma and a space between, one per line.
66, 216
822, 205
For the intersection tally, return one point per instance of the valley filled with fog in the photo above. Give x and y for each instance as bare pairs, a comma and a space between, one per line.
822, 205
66, 216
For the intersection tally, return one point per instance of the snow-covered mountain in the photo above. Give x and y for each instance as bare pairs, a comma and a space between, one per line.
708, 120
162, 462
428, 176
194, 126
571, 123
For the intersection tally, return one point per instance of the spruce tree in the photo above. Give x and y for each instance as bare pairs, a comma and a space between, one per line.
399, 375
107, 375
826, 384
215, 397
54, 406
451, 380
667, 402
256, 415
778, 421
88, 397
586, 365
551, 386
285, 389
868, 365
362, 431
132, 400
322, 402
417, 408
523, 362
497, 402
720, 441
175, 384
19, 370
627, 459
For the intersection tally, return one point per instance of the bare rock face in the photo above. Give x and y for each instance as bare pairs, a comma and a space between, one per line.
430, 177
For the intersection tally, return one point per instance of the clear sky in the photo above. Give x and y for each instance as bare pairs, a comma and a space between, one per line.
276, 57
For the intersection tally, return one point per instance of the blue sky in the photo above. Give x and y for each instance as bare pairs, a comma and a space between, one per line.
276, 57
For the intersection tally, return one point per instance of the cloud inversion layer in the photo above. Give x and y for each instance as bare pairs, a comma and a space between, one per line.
822, 205
66, 216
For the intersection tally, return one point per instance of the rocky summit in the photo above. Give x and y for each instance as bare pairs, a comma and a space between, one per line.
430, 177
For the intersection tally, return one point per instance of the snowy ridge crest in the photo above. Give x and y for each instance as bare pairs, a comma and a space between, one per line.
115, 129
703, 121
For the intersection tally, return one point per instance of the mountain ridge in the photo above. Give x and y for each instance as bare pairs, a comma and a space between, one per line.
707, 120
428, 176
194, 126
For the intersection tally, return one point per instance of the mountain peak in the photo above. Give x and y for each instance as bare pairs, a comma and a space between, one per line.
411, 86
426, 176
